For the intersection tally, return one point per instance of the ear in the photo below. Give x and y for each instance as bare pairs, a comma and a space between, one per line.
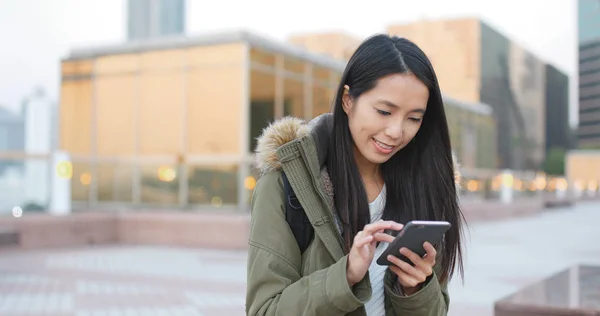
346, 99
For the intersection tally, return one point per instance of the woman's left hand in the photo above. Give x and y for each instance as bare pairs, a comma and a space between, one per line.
412, 277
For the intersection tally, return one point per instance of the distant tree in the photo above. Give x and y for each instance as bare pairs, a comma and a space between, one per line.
555, 161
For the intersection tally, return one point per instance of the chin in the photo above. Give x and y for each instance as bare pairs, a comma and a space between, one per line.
379, 159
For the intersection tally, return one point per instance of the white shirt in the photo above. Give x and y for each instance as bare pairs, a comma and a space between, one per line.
375, 306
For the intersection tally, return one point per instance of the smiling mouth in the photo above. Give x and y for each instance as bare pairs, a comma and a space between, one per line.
383, 145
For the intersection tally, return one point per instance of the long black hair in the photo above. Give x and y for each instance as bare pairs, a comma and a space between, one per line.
419, 179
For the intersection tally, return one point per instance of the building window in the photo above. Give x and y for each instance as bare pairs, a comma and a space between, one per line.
262, 112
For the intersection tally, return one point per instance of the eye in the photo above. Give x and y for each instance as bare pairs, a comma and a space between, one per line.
385, 113
416, 119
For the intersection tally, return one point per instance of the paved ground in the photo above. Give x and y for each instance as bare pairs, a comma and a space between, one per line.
122, 281
505, 256
502, 257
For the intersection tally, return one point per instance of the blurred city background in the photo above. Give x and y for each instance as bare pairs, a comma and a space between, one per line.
127, 130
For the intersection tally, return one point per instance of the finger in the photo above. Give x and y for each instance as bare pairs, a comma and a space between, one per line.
431, 253
380, 226
381, 230
361, 241
383, 237
404, 278
415, 258
408, 269
420, 264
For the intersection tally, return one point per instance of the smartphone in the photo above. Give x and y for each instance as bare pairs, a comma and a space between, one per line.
412, 236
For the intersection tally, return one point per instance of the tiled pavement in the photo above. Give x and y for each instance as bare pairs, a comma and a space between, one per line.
122, 281
131, 280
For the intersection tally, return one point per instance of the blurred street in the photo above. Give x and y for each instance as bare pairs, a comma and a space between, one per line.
502, 257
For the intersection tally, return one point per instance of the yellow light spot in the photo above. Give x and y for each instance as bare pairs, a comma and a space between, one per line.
562, 184
249, 183
216, 201
518, 185
508, 180
540, 182
85, 178
592, 185
472, 185
496, 183
551, 185
64, 169
166, 174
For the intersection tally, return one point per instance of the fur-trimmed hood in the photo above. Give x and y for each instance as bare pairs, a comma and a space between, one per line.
287, 130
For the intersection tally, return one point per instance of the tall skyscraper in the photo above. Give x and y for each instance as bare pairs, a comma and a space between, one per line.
589, 72
148, 19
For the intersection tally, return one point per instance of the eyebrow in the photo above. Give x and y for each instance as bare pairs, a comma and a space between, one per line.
393, 105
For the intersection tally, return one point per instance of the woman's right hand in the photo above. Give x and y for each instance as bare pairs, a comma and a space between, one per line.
363, 248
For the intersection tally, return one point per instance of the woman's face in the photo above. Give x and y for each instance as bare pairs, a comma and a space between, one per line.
386, 118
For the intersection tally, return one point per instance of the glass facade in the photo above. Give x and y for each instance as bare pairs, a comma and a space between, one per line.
282, 85
513, 83
472, 134
558, 131
157, 128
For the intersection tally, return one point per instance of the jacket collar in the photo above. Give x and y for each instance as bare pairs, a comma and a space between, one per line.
300, 149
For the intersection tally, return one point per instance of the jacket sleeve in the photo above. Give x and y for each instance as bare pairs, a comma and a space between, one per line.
275, 285
432, 300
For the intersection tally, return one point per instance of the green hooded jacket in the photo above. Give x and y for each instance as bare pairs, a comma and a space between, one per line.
281, 280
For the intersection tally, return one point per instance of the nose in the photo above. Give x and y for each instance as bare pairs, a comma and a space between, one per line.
394, 131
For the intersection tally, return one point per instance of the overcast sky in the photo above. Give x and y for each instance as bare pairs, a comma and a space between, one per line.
35, 34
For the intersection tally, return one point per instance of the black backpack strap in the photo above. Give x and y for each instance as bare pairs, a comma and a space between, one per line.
295, 216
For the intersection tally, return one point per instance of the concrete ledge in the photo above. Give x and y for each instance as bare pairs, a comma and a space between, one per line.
207, 230
533, 300
9, 237
44, 230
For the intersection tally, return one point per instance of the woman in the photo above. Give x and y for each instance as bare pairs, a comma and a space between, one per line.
382, 158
